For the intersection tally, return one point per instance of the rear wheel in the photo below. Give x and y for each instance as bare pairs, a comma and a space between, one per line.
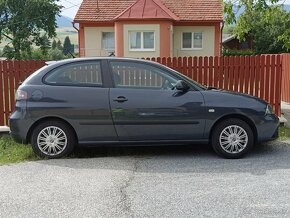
52, 139
232, 138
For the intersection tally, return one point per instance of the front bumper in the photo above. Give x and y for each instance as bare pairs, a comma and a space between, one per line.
268, 128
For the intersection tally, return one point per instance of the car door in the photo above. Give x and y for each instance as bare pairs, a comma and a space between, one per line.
77, 93
144, 106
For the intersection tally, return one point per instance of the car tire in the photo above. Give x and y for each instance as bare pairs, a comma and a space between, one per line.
232, 138
53, 139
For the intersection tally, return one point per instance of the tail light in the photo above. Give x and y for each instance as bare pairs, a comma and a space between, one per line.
21, 95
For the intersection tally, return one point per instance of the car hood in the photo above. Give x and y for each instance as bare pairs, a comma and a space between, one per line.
239, 94
232, 99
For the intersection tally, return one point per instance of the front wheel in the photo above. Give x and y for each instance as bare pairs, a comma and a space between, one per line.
52, 139
232, 138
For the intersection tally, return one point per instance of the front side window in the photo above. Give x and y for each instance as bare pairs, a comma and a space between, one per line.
142, 41
192, 40
142, 76
108, 40
77, 74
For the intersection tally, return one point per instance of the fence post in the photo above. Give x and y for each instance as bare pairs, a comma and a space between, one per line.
2, 93
278, 91
286, 77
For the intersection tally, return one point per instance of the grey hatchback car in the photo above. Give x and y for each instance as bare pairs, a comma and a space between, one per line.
119, 101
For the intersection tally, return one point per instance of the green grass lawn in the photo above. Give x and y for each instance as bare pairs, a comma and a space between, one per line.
284, 133
11, 152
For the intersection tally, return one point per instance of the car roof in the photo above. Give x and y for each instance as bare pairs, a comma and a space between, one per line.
71, 60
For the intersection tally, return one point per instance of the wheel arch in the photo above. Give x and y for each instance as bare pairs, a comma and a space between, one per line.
237, 116
50, 118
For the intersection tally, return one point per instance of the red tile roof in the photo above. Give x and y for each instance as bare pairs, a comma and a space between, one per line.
186, 10
147, 9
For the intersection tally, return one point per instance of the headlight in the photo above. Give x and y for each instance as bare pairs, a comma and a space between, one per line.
269, 110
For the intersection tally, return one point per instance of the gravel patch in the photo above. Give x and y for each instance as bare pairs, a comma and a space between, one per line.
151, 182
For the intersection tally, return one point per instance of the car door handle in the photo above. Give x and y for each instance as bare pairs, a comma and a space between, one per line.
120, 99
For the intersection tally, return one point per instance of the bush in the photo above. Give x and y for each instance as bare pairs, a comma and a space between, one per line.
229, 52
37, 54
33, 55
55, 54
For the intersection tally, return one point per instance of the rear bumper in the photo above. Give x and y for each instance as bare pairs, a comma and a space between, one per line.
19, 127
268, 128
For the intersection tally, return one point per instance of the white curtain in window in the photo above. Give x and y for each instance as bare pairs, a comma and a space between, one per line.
148, 40
135, 40
109, 40
187, 40
198, 40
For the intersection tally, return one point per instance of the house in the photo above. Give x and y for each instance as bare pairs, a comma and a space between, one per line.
150, 28
232, 43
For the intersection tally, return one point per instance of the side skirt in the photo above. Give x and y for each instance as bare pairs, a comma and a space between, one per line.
143, 143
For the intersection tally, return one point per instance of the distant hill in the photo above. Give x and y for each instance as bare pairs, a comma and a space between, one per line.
286, 7
63, 21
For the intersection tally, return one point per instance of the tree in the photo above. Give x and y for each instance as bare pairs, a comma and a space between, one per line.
268, 30
54, 44
24, 21
231, 7
266, 23
68, 48
44, 44
59, 45
8, 52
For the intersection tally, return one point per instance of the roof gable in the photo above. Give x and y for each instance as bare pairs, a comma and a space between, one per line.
147, 9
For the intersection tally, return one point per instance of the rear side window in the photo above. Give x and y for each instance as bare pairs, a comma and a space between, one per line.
77, 74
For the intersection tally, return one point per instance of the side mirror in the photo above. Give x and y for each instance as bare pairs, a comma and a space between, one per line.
182, 86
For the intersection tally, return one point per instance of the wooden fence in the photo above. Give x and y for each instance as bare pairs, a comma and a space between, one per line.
286, 78
12, 73
255, 75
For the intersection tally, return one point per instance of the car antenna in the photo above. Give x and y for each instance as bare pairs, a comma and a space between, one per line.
71, 54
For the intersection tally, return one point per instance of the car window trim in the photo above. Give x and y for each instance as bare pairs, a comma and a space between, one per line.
144, 63
170, 72
74, 85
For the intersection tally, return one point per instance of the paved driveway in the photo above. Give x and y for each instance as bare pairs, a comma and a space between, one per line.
151, 182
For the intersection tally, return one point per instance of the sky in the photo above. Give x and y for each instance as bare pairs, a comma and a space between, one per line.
71, 7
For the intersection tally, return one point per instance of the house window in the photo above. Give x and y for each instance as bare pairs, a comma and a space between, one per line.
192, 40
142, 41
108, 40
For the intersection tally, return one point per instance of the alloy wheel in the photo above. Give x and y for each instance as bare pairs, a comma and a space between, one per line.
52, 140
233, 139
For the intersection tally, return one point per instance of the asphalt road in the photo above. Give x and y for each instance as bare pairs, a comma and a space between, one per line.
150, 182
